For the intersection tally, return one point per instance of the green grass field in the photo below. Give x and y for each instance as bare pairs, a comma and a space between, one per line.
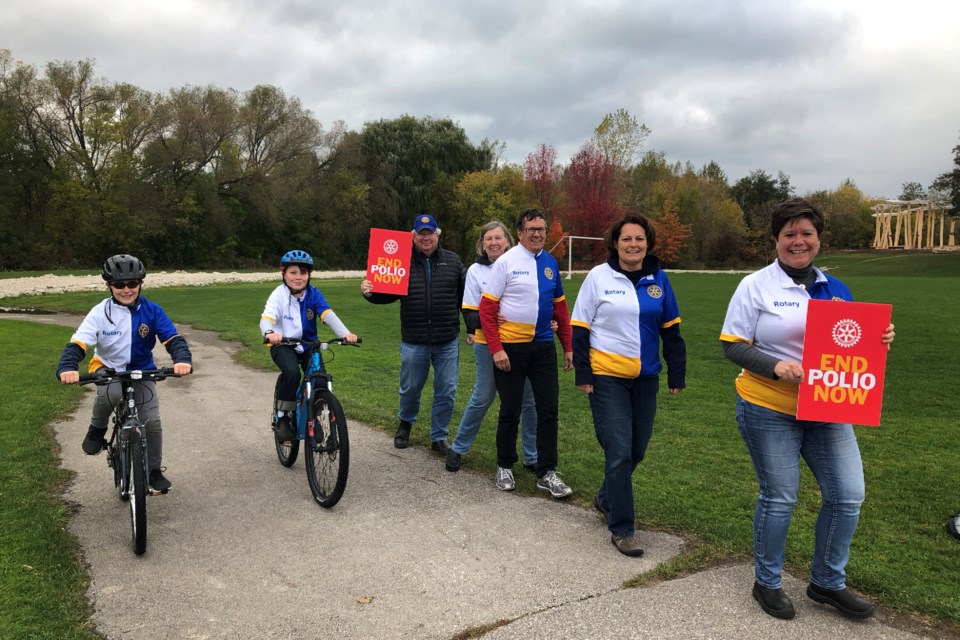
697, 479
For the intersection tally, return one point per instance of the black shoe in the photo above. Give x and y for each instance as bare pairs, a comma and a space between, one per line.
453, 460
158, 482
94, 442
953, 525
402, 439
842, 600
773, 601
599, 507
532, 467
284, 429
440, 446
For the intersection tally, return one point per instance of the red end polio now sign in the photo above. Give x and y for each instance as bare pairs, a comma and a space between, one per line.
843, 362
388, 260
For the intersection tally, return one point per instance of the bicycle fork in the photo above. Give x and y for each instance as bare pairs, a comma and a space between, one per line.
315, 424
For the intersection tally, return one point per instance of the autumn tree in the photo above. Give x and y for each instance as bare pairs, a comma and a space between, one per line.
541, 170
590, 184
620, 137
479, 197
848, 217
556, 242
671, 233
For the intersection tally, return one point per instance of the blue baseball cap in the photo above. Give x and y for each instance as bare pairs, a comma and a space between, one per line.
424, 221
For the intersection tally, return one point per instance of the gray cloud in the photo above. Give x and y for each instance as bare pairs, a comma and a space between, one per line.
821, 92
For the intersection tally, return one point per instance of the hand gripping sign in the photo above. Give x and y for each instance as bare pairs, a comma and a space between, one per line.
388, 260
843, 362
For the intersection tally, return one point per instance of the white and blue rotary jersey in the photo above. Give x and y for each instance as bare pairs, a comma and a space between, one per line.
625, 321
294, 317
124, 336
769, 311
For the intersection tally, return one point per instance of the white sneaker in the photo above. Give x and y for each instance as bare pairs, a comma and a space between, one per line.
550, 482
505, 479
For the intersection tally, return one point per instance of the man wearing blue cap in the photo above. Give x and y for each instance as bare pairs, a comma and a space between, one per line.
430, 329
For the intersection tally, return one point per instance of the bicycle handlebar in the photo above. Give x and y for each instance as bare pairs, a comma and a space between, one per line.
323, 344
107, 375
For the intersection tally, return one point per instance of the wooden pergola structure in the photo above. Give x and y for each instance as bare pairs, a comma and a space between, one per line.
913, 224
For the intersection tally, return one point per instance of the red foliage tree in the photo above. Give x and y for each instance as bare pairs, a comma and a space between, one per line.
541, 170
592, 192
671, 233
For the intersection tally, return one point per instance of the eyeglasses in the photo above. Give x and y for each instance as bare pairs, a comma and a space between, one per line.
533, 230
125, 284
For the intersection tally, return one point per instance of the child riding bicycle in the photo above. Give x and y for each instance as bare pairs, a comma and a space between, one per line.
292, 311
124, 329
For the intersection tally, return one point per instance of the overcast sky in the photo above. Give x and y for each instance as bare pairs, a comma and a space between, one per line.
822, 90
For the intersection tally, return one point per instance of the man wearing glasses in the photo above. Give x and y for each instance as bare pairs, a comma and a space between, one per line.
124, 328
525, 288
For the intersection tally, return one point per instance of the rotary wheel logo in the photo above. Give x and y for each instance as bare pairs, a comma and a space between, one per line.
143, 330
654, 291
391, 247
548, 273
310, 314
846, 333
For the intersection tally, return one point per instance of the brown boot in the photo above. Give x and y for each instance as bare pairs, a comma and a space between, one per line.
627, 545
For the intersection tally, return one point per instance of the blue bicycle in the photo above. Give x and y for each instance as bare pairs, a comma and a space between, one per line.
320, 424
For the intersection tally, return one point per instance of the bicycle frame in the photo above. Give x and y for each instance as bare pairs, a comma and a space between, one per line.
314, 376
126, 418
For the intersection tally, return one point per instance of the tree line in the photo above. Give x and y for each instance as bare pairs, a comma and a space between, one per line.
205, 177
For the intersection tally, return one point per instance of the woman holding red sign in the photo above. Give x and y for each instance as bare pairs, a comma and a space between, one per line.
763, 333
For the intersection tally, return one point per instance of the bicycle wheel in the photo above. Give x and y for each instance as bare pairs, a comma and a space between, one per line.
287, 450
136, 463
327, 450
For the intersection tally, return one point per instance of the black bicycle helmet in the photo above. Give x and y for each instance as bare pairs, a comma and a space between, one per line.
296, 257
123, 267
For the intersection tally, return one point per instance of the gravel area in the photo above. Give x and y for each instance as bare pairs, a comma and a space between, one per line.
50, 283
39, 285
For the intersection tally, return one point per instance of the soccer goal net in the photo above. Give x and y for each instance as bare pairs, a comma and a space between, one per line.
570, 245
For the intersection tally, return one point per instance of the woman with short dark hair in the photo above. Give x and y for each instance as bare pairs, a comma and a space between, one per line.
763, 332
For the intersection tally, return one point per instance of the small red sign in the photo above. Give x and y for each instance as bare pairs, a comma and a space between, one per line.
843, 362
388, 260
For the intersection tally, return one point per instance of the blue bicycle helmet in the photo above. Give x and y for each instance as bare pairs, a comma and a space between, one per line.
296, 257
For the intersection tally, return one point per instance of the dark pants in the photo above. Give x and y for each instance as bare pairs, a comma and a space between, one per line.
290, 363
623, 412
537, 362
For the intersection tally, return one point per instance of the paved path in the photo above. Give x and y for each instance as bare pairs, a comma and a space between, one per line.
238, 549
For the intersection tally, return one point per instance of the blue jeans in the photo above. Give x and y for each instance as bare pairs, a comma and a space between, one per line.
484, 392
415, 361
623, 411
776, 442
